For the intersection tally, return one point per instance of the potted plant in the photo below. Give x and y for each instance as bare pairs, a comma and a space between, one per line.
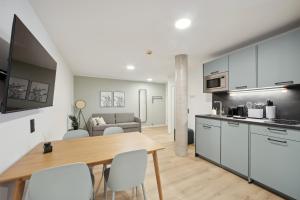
75, 123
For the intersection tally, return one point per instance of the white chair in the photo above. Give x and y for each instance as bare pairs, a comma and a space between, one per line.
110, 131
69, 182
76, 134
127, 171
113, 130
79, 134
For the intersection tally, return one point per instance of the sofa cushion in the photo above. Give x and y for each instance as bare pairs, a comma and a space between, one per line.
124, 117
102, 127
128, 125
109, 118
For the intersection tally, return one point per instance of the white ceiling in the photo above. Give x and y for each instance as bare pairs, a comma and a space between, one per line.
100, 37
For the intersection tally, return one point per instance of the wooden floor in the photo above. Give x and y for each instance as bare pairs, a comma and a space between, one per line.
188, 178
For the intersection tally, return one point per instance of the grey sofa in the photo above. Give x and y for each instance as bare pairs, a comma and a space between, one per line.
127, 121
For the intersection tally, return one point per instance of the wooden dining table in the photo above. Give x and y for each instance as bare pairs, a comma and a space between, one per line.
93, 151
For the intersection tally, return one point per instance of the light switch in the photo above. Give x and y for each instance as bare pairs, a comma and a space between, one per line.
32, 126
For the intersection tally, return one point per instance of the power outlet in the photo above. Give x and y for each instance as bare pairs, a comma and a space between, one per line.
32, 126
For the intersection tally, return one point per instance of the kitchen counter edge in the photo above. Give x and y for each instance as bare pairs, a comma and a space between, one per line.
262, 122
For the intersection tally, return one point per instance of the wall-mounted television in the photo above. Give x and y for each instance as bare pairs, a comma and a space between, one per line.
30, 76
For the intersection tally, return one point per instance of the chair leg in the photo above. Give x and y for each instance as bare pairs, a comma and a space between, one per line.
92, 175
102, 175
136, 191
104, 168
113, 196
144, 192
105, 190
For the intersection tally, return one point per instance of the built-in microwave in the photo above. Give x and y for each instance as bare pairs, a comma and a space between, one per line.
216, 82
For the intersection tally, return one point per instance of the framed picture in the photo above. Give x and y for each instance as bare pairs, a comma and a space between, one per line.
38, 92
119, 99
17, 88
106, 99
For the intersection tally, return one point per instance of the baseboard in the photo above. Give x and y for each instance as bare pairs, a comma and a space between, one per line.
154, 126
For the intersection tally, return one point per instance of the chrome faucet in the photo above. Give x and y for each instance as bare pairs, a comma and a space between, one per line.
220, 106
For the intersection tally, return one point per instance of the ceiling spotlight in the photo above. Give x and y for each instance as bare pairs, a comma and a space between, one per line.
130, 67
183, 23
149, 79
149, 52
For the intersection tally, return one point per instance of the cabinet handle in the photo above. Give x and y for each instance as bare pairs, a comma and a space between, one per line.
3, 72
233, 123
241, 87
215, 72
272, 140
206, 126
274, 130
284, 83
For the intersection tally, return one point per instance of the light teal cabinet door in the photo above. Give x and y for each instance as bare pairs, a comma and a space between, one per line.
234, 146
208, 142
216, 66
279, 60
242, 69
275, 162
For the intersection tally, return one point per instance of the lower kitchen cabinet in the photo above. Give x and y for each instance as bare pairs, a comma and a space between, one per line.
234, 146
275, 162
273, 159
208, 140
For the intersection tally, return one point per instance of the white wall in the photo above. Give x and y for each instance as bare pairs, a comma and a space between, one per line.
199, 102
51, 123
88, 89
170, 110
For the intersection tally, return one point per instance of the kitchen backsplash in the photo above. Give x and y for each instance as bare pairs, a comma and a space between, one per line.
287, 101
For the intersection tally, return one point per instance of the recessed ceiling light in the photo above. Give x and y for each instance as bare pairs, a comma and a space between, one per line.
149, 79
183, 23
149, 52
130, 67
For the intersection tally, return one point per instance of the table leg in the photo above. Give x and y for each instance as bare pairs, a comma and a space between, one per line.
18, 190
156, 167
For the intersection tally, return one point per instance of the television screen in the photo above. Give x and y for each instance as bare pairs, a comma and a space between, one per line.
30, 73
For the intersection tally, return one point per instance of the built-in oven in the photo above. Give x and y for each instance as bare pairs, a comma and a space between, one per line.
216, 82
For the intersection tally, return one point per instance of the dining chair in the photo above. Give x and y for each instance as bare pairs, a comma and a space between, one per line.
75, 134
68, 182
127, 171
79, 134
112, 130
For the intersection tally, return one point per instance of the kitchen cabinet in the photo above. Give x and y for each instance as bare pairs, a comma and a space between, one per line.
242, 69
275, 161
279, 60
216, 66
208, 139
270, 157
210, 122
234, 146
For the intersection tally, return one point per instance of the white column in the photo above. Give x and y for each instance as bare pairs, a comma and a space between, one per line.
181, 104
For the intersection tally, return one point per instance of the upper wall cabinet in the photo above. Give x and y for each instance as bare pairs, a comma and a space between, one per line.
279, 60
242, 69
216, 66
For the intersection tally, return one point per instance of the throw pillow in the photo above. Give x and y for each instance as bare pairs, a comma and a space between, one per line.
101, 121
95, 121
